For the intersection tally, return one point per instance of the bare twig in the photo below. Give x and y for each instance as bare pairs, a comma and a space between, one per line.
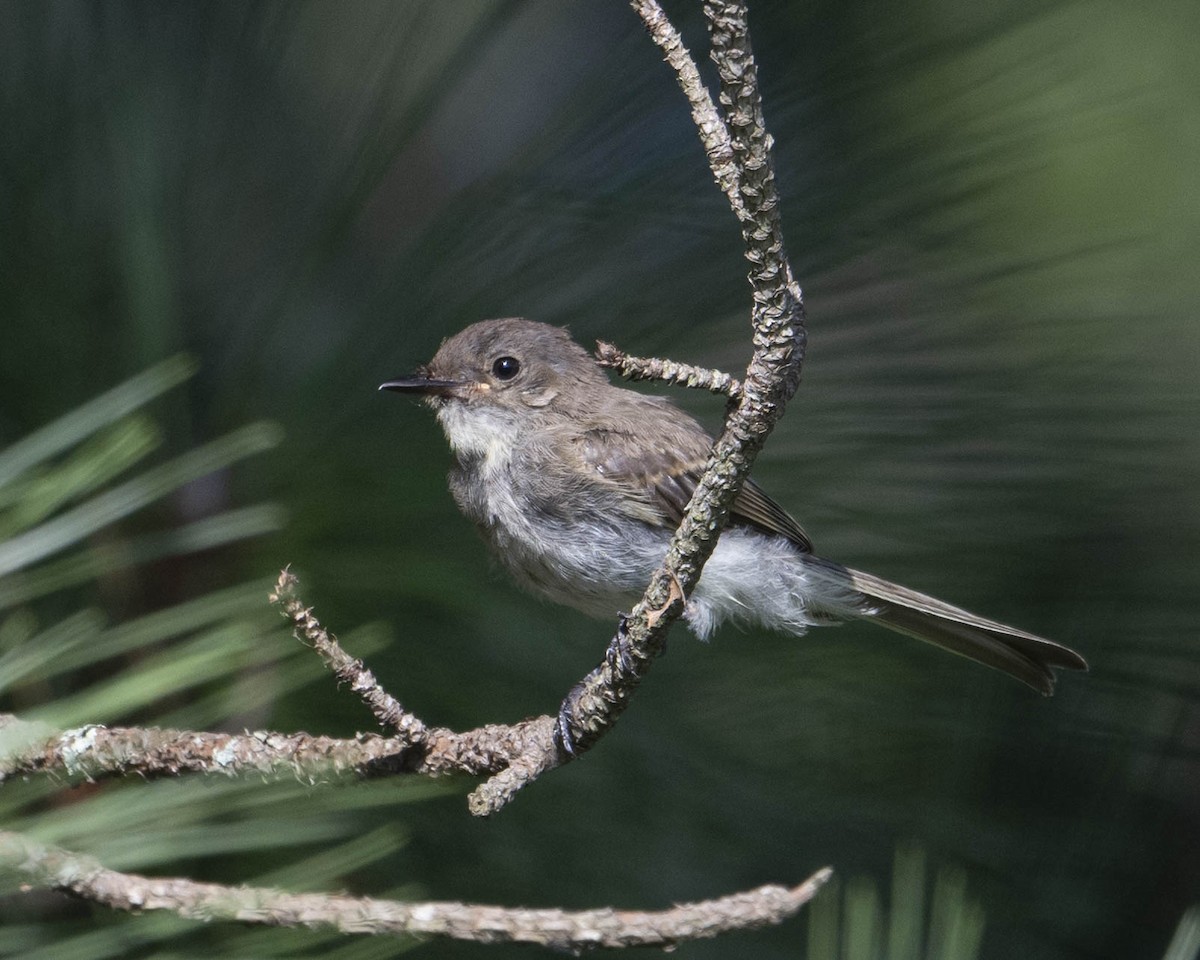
387, 709
513, 755
84, 877
710, 125
95, 752
778, 300
679, 374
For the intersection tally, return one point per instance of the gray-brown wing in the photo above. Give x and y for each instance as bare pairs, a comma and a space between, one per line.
754, 506
659, 481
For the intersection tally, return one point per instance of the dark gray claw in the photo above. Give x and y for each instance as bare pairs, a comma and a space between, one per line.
563, 737
617, 656
562, 733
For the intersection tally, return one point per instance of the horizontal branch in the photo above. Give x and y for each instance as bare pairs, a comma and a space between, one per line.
515, 752
54, 868
96, 752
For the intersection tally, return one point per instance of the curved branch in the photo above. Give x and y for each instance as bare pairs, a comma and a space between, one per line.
710, 125
58, 869
594, 705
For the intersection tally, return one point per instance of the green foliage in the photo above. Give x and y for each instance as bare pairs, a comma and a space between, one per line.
1185, 945
855, 925
218, 660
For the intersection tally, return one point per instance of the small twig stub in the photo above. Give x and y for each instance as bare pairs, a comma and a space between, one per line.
670, 371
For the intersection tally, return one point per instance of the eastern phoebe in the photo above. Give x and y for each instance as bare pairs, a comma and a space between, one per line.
578, 486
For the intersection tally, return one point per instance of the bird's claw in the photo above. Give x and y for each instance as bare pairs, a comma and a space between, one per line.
618, 657
562, 731
564, 724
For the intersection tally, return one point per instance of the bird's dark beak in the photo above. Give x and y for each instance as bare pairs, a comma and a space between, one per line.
421, 383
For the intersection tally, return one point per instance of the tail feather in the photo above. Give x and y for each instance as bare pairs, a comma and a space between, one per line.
1025, 656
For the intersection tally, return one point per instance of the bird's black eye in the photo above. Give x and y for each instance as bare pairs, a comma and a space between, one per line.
505, 368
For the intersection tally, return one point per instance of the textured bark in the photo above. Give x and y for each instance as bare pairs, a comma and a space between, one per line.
738, 148
54, 868
669, 371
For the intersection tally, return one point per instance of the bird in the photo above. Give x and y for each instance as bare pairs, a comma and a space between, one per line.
578, 484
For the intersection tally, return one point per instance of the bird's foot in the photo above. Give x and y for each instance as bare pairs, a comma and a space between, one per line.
618, 657
563, 736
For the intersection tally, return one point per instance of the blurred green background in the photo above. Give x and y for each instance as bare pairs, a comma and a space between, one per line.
995, 215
